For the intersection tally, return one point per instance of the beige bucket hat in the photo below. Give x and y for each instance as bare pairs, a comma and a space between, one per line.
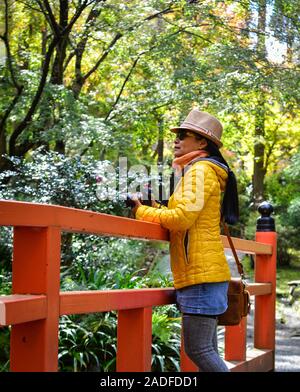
203, 123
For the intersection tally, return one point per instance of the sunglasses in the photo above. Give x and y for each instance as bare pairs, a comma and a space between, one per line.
182, 134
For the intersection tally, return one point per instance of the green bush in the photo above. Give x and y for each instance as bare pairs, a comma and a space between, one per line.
87, 343
284, 191
166, 339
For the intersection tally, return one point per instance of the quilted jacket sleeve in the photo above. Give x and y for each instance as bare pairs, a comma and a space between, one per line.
189, 197
158, 205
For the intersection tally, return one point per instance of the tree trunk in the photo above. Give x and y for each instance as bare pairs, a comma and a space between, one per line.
259, 153
79, 78
2, 143
60, 146
4, 163
245, 31
160, 142
57, 75
58, 69
261, 27
259, 134
44, 45
290, 43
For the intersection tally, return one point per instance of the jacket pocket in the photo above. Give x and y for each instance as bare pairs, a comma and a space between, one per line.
186, 247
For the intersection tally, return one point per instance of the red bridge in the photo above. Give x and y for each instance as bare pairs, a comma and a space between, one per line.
36, 303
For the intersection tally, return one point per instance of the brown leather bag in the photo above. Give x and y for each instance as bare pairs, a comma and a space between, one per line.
238, 296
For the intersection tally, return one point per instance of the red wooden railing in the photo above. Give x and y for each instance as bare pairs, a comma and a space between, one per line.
36, 303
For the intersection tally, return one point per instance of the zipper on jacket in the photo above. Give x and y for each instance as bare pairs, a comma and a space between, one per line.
186, 247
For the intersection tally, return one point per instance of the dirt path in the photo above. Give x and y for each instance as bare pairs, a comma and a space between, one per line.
287, 354
287, 339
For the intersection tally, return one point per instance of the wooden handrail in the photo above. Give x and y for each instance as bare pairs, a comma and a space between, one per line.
16, 309
36, 302
248, 246
102, 301
14, 213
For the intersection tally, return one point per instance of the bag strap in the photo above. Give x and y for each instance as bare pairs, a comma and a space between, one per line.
238, 263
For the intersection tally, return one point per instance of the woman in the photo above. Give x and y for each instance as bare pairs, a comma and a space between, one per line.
198, 263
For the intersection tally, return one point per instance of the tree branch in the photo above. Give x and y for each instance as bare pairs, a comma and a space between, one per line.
128, 76
271, 147
104, 55
18, 87
24, 123
77, 14
163, 12
80, 79
69, 58
57, 66
57, 37
28, 6
47, 11
79, 50
169, 9
10, 108
5, 39
124, 84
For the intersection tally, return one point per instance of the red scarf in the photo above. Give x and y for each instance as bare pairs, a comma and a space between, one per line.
179, 163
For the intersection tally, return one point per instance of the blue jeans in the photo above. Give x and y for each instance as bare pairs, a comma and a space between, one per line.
200, 342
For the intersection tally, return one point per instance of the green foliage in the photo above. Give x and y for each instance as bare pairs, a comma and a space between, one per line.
163, 58
94, 261
283, 276
294, 212
284, 190
52, 178
88, 262
6, 246
87, 343
5, 282
4, 349
113, 277
166, 339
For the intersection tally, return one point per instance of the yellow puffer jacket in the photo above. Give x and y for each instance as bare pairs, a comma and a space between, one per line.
193, 218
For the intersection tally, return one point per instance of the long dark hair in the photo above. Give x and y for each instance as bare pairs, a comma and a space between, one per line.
230, 202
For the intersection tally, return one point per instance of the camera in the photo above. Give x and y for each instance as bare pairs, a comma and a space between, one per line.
144, 197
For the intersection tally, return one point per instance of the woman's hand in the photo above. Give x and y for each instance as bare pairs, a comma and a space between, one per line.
153, 203
137, 203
